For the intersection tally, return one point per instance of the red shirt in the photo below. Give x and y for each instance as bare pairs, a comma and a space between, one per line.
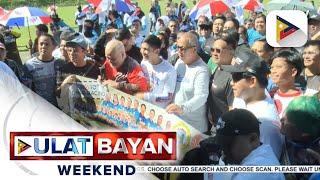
133, 75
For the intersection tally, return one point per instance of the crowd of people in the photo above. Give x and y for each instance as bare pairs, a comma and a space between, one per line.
260, 104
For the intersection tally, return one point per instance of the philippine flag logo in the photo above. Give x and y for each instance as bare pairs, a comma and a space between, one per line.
284, 28
287, 28
22, 146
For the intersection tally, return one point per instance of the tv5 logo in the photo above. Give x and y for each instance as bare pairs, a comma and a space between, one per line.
287, 28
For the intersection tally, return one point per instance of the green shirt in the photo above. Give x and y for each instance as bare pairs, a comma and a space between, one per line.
212, 66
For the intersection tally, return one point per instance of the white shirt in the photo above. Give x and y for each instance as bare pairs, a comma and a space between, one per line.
80, 21
139, 40
162, 80
282, 100
145, 26
191, 92
102, 17
57, 54
267, 114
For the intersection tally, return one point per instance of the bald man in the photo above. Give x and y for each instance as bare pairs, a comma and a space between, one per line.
121, 71
192, 86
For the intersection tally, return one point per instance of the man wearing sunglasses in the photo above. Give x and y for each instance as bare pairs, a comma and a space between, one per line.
220, 96
192, 84
249, 80
205, 34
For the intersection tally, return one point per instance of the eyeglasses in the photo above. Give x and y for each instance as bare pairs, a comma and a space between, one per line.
241, 75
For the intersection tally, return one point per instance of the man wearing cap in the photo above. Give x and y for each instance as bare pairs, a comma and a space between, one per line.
192, 84
76, 51
121, 71
238, 135
249, 80
41, 71
301, 127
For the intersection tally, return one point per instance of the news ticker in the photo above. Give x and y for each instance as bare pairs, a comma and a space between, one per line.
227, 169
132, 169
113, 145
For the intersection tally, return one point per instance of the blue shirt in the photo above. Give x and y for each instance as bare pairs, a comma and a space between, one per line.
253, 36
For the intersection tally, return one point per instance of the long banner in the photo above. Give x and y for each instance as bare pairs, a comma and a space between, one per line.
100, 107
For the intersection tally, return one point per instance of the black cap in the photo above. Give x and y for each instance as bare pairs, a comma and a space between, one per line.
237, 122
247, 61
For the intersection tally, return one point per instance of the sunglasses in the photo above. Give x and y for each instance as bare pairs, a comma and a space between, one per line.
205, 27
218, 50
181, 48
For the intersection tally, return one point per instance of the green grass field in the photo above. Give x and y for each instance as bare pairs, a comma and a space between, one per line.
67, 14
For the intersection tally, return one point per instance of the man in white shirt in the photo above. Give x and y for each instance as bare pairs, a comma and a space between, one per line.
161, 74
192, 86
249, 80
238, 135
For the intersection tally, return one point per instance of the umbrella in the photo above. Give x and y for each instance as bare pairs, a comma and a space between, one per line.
86, 8
209, 8
25, 16
290, 5
120, 5
251, 5
3, 12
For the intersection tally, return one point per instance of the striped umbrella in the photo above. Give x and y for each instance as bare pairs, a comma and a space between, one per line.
3, 12
209, 8
251, 5
25, 16
120, 5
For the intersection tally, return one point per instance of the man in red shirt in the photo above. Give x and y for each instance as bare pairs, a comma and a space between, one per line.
121, 71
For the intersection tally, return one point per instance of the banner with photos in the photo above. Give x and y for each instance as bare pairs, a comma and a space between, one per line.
96, 106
